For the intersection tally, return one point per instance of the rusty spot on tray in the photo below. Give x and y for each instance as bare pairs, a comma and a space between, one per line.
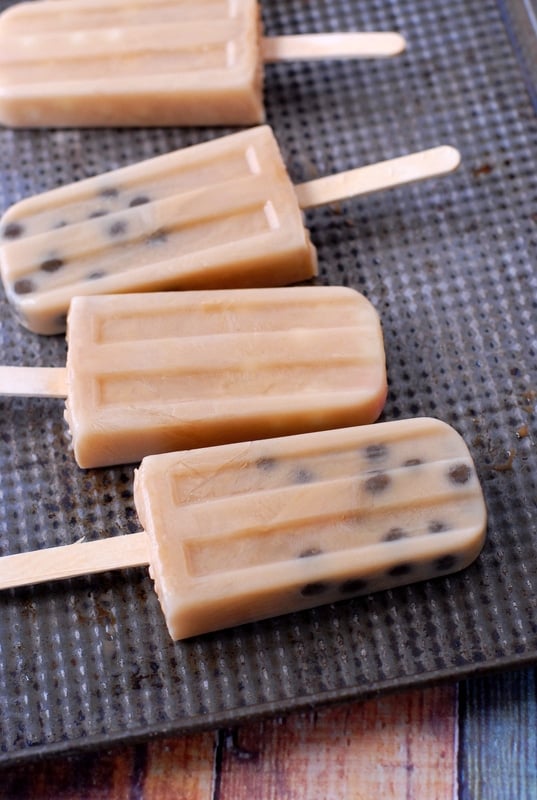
506, 465
483, 169
528, 398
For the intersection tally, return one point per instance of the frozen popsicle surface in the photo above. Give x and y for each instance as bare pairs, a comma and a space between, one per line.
131, 62
221, 214
247, 531
151, 373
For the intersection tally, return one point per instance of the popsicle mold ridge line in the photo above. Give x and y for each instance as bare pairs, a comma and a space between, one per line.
222, 214
241, 532
149, 373
95, 63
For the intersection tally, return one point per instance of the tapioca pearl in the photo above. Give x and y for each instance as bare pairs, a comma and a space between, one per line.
60, 224
445, 563
96, 275
353, 586
459, 474
310, 552
438, 526
303, 475
157, 237
13, 230
109, 192
376, 452
139, 200
377, 483
117, 228
266, 463
99, 212
399, 570
52, 264
412, 462
24, 286
394, 534
314, 589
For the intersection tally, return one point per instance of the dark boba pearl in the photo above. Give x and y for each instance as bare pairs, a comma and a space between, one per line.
117, 228
157, 237
24, 286
139, 200
303, 476
94, 276
266, 463
400, 569
100, 212
376, 452
353, 586
377, 483
437, 526
460, 474
445, 563
313, 589
52, 264
13, 230
412, 462
109, 191
312, 551
394, 534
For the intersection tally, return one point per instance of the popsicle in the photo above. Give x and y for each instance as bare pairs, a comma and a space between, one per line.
150, 62
149, 373
246, 531
222, 214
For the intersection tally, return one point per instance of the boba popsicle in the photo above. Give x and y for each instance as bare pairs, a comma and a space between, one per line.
247, 531
79, 63
150, 373
222, 214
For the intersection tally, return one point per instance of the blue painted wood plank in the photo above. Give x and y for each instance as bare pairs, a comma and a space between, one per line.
498, 737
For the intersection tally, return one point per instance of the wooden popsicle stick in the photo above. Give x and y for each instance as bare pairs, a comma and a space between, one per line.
33, 381
331, 45
376, 177
72, 560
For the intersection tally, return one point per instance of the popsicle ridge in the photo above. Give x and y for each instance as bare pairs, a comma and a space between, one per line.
221, 373
313, 519
222, 214
152, 63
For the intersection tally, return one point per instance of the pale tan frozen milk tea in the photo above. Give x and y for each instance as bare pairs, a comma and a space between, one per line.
138, 63
246, 531
222, 214
150, 373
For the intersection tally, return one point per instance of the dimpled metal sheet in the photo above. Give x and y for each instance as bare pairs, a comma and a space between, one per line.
449, 266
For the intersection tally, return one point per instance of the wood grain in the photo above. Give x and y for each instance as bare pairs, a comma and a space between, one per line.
401, 746
498, 738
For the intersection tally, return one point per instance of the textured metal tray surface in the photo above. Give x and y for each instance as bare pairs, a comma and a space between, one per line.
449, 266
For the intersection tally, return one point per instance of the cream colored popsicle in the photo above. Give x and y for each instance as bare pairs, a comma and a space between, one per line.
247, 531
77, 63
150, 373
222, 214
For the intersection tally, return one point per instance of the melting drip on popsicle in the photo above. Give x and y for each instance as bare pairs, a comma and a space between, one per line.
229, 542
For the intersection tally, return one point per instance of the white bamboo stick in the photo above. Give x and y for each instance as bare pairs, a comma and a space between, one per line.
332, 45
33, 381
377, 177
71, 560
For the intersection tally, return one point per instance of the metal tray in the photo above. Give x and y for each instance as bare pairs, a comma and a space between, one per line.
450, 267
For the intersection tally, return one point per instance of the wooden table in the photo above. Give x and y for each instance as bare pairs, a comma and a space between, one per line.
474, 740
